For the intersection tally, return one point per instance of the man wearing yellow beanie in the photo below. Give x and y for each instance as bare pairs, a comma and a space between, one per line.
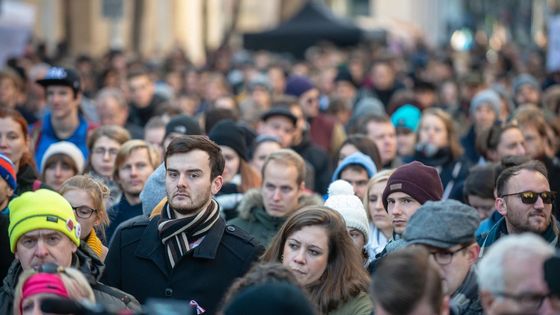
35, 219
43, 229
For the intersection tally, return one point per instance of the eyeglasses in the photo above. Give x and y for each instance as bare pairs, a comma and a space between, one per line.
530, 301
530, 197
103, 151
445, 257
83, 212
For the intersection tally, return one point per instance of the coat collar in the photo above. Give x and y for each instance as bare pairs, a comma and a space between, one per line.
151, 247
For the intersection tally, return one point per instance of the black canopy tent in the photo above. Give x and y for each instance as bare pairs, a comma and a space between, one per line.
314, 23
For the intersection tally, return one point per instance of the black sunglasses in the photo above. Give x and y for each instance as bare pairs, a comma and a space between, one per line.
530, 197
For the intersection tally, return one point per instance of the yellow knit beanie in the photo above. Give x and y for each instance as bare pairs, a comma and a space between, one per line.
42, 209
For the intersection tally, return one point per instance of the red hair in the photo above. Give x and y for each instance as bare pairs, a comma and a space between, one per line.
27, 157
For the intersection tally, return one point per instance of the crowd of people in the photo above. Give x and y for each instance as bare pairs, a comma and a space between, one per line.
362, 181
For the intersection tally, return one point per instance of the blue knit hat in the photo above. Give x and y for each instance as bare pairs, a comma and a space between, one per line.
7, 171
297, 85
357, 158
407, 116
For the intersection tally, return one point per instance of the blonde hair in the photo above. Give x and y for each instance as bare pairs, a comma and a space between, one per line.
96, 190
74, 281
379, 177
131, 145
287, 157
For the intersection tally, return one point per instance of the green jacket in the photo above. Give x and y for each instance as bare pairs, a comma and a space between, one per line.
254, 220
359, 305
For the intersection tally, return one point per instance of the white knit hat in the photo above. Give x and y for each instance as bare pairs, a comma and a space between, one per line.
342, 199
67, 148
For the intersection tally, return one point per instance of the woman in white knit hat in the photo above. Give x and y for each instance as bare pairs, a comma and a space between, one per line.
61, 161
342, 199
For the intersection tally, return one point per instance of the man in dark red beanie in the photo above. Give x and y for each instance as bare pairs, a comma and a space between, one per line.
409, 187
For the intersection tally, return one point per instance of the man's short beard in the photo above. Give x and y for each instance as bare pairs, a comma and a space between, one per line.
192, 209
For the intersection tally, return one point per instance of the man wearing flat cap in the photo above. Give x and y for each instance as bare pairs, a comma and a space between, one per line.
43, 229
278, 122
447, 229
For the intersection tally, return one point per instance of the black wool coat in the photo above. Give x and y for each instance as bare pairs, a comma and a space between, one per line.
137, 263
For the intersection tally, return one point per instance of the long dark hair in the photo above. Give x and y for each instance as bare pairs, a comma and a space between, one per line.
345, 277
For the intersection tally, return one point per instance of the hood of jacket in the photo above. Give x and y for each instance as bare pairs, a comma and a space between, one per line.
253, 200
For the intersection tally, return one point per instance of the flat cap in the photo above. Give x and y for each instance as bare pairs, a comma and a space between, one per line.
279, 111
442, 224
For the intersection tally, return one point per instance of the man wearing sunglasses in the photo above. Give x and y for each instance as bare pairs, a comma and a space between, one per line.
447, 230
525, 201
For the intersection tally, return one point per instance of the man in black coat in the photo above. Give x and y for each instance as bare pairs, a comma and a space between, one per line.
187, 252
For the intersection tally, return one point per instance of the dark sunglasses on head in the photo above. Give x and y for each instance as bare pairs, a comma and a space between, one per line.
530, 197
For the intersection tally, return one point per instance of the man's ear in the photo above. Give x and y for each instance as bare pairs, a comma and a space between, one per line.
216, 184
10, 192
473, 252
302, 188
501, 206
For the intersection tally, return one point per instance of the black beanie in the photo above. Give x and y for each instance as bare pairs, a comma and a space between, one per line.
229, 134
184, 125
270, 298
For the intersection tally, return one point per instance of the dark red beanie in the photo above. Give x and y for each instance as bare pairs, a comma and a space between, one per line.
419, 181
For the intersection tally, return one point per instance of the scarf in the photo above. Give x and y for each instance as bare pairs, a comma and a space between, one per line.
176, 233
95, 243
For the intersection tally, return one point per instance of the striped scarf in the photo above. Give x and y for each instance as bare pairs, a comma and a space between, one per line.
176, 233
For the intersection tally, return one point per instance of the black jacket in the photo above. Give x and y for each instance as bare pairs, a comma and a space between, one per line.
318, 159
451, 172
140, 116
28, 180
137, 263
6, 256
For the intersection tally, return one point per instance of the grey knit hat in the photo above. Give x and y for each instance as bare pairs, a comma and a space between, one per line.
488, 97
522, 80
442, 224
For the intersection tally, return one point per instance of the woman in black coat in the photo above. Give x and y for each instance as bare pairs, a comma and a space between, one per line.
438, 146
